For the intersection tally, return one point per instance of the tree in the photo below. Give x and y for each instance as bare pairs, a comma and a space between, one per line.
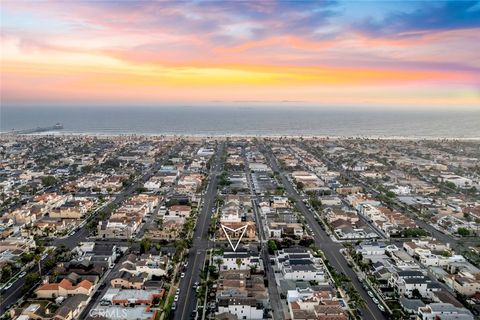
50, 263
180, 245
316, 204
390, 194
238, 261
48, 181
130, 242
464, 232
446, 253
26, 258
219, 263
6, 272
37, 259
141, 190
414, 233
306, 241
30, 280
300, 185
287, 242
450, 185
416, 294
272, 246
145, 245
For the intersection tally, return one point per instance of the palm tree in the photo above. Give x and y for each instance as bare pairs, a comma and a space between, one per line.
37, 260
219, 262
238, 262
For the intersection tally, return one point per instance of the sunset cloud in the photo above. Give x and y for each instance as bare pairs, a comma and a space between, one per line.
313, 51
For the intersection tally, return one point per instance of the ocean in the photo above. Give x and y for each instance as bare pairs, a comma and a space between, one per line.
247, 121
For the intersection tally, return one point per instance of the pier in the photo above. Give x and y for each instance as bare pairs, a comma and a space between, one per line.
57, 126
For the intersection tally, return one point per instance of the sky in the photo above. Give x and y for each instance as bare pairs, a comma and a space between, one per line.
320, 53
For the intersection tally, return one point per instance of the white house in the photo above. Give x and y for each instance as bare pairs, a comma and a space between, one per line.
242, 308
299, 264
406, 282
435, 311
239, 260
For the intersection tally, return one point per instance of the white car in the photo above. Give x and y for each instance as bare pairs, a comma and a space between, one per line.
182, 275
370, 294
176, 298
381, 308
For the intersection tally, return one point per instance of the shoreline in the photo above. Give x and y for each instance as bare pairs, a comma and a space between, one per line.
232, 135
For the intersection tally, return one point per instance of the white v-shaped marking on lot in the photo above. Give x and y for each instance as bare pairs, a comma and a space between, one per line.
225, 228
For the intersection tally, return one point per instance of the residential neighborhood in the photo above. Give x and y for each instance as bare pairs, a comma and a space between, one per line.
179, 227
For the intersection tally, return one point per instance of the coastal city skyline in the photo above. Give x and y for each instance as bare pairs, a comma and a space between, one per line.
409, 54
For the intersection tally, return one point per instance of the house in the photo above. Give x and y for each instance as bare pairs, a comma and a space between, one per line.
125, 297
410, 281
64, 289
74, 209
411, 306
147, 264
80, 270
371, 248
71, 307
443, 311
242, 259
242, 284
242, 308
279, 229
126, 280
179, 210
206, 152
333, 201
102, 254
458, 181
299, 264
464, 282
314, 303
249, 235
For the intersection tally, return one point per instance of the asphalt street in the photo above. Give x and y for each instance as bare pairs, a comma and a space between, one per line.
273, 294
197, 253
330, 248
